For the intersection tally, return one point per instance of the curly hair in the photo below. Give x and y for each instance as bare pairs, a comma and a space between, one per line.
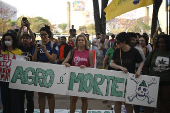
145, 37
86, 42
166, 40
14, 39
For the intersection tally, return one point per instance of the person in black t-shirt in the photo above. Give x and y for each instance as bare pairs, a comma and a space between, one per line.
24, 45
124, 59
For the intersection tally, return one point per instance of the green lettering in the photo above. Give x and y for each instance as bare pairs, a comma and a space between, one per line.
89, 77
30, 77
38, 78
96, 89
96, 111
108, 83
51, 74
114, 92
18, 71
74, 79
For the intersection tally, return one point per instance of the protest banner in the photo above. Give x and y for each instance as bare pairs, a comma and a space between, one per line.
118, 7
5, 65
73, 81
40, 77
145, 91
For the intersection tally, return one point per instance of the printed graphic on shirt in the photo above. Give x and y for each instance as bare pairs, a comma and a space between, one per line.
41, 51
162, 64
78, 59
56, 48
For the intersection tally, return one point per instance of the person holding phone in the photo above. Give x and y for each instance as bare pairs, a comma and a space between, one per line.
24, 45
47, 53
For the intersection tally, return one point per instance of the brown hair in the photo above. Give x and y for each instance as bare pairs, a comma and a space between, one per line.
86, 42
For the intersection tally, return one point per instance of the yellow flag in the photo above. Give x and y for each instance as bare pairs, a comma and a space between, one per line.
118, 7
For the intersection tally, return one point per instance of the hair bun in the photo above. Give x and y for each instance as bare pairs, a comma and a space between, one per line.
47, 27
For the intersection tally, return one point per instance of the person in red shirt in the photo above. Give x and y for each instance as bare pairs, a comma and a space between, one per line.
70, 42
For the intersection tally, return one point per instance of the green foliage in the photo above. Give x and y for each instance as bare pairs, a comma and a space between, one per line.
36, 23
62, 26
82, 28
91, 29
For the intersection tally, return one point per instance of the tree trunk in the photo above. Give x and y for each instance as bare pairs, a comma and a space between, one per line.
156, 6
103, 18
97, 16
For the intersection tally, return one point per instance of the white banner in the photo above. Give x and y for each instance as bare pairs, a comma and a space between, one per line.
5, 65
74, 81
142, 91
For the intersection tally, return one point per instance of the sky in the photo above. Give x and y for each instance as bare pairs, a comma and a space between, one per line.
54, 10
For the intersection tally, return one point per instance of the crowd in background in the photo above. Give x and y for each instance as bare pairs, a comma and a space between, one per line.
128, 52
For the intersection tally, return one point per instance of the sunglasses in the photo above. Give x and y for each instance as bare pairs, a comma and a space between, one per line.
118, 42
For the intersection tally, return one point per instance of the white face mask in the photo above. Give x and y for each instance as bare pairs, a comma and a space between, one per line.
8, 43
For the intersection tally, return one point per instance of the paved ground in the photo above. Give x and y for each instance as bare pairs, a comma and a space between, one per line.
63, 102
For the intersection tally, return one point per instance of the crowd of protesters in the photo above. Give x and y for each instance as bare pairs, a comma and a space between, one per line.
126, 52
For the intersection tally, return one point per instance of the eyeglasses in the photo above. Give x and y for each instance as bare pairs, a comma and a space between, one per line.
118, 42
141, 40
43, 35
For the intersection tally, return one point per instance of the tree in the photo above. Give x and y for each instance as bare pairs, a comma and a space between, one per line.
82, 28
100, 23
156, 6
91, 29
5, 14
62, 26
36, 23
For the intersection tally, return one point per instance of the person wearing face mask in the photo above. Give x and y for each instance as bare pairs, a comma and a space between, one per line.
10, 97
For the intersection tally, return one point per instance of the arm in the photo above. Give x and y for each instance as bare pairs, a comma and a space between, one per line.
156, 33
31, 33
19, 33
139, 69
65, 62
105, 61
106, 44
52, 57
93, 43
113, 65
98, 45
91, 59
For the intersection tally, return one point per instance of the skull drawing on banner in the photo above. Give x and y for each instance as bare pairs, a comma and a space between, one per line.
142, 90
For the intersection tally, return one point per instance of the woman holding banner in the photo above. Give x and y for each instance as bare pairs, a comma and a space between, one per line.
10, 97
124, 59
47, 53
82, 51
158, 64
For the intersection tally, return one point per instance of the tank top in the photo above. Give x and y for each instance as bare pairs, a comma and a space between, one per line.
81, 58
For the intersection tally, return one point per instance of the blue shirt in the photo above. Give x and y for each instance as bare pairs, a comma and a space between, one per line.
41, 55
